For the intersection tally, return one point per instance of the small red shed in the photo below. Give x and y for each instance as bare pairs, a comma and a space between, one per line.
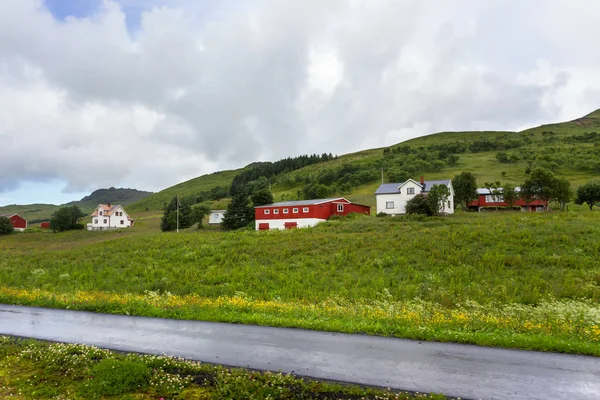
45, 225
18, 222
304, 213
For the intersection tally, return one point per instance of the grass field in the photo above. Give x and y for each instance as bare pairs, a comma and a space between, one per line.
524, 280
38, 370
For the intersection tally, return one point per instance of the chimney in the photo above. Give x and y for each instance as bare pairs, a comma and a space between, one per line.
422, 180
108, 205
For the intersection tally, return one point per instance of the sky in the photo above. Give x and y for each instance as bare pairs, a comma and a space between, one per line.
149, 93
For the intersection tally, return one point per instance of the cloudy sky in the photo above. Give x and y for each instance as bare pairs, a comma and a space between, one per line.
148, 93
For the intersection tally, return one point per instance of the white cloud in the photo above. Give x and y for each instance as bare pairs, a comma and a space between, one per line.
199, 87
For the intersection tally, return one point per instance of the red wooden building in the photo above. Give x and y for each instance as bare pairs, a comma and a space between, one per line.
303, 213
486, 200
18, 222
45, 225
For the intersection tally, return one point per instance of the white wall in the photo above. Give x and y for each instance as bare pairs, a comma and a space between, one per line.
216, 217
280, 223
113, 221
400, 200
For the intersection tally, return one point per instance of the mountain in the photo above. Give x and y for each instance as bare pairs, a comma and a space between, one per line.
570, 149
42, 212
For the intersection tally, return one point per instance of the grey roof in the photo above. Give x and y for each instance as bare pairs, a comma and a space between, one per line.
301, 202
391, 188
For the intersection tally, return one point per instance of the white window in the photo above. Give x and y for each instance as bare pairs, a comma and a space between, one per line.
104, 221
100, 213
267, 211
389, 205
448, 203
305, 210
96, 221
122, 222
410, 191
286, 211
276, 211
340, 207
295, 210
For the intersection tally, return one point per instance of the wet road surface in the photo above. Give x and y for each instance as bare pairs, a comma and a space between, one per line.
452, 369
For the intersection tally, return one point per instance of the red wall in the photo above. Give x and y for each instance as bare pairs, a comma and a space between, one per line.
45, 225
18, 222
519, 203
320, 211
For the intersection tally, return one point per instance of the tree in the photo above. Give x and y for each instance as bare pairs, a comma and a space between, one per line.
437, 197
66, 218
418, 205
6, 226
262, 197
539, 185
562, 192
168, 221
588, 193
465, 188
239, 213
198, 214
510, 194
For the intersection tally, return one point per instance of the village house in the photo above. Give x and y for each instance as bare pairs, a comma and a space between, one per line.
487, 200
107, 216
18, 222
303, 213
392, 197
216, 217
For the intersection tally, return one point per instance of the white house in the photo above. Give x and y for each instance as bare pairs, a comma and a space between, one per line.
392, 197
107, 217
216, 217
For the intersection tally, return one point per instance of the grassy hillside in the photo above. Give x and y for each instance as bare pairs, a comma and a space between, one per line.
562, 147
40, 212
527, 280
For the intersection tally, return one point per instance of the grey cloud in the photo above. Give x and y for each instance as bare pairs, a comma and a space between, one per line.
200, 87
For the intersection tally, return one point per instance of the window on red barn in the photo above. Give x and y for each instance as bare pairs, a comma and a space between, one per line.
340, 208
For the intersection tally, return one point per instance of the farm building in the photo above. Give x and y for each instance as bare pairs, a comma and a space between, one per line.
303, 213
45, 225
216, 217
487, 200
392, 197
107, 217
18, 222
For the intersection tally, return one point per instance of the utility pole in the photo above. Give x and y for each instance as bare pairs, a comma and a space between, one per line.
382, 176
177, 213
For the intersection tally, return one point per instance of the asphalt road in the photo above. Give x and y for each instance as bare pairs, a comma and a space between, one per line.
455, 370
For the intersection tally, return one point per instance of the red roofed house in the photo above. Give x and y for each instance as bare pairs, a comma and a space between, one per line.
303, 213
107, 217
18, 222
485, 200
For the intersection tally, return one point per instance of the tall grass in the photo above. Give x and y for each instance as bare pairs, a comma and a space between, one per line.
480, 265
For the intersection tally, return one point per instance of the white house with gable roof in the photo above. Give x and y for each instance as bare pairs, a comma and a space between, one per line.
392, 197
107, 216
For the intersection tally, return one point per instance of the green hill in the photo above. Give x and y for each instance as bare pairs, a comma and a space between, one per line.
41, 212
570, 149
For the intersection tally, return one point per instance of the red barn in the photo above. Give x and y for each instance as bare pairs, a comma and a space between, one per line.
18, 222
485, 199
303, 213
45, 225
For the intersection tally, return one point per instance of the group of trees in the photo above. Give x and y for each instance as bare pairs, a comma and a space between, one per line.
66, 219
182, 213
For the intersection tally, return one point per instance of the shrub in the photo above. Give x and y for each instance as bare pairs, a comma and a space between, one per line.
418, 205
6, 227
112, 377
382, 214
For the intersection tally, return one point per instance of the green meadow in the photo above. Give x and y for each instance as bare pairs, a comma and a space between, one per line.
509, 279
